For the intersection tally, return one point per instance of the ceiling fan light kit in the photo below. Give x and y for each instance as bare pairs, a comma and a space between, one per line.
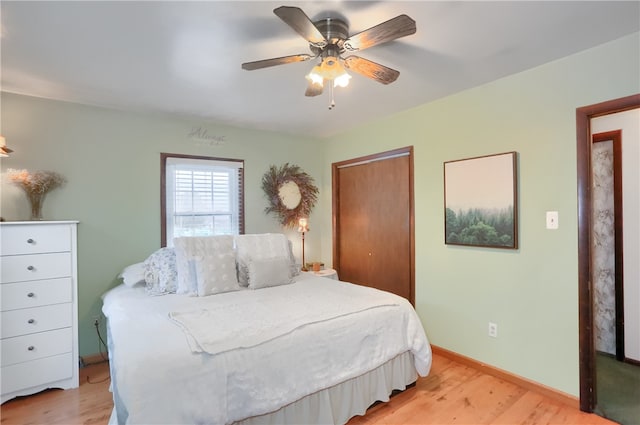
328, 39
329, 69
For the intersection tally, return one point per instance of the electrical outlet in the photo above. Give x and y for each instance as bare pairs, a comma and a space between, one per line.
96, 320
493, 330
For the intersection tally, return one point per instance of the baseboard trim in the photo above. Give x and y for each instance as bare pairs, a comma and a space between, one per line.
552, 393
632, 361
94, 359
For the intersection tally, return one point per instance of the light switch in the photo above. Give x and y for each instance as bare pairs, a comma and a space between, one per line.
552, 220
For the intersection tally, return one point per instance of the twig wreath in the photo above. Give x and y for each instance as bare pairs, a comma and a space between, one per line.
272, 183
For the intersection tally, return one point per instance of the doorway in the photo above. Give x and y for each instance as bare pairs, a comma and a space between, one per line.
587, 337
607, 246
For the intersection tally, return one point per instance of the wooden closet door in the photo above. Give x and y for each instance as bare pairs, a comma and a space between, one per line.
389, 230
373, 224
353, 243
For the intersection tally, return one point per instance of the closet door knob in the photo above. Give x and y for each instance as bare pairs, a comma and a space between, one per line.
30, 240
31, 268
31, 348
31, 321
31, 295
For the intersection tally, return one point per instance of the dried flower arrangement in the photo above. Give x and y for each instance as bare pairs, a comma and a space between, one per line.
36, 185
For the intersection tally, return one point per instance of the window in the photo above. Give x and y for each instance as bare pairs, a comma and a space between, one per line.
201, 196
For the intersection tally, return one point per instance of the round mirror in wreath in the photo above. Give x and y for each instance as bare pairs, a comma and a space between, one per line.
290, 192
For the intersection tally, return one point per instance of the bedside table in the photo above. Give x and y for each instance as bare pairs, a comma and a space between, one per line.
329, 273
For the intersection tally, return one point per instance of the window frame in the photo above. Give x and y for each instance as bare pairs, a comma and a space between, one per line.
163, 189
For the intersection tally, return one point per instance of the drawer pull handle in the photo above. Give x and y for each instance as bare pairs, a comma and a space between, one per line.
31, 321
31, 295
31, 268
31, 348
30, 240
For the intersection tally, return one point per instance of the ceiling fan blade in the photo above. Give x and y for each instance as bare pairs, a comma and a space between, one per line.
372, 70
313, 90
300, 22
250, 66
397, 27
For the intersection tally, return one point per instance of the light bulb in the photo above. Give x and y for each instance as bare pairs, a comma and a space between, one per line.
314, 76
342, 80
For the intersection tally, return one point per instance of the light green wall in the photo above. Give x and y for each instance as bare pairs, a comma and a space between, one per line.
111, 160
531, 292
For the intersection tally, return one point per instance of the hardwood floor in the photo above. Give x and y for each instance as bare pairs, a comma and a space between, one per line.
89, 404
452, 394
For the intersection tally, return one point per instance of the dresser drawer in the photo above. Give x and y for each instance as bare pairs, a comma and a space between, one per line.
37, 319
37, 372
18, 268
34, 239
36, 346
36, 293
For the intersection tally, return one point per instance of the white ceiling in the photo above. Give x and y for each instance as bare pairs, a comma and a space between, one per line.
184, 57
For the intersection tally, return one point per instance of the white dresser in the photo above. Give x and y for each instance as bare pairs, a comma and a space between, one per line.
39, 306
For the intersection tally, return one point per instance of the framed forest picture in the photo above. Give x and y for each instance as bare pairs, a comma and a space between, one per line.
480, 199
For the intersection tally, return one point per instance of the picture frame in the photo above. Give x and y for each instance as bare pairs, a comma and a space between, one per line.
480, 201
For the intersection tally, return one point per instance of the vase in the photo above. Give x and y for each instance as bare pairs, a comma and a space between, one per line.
36, 200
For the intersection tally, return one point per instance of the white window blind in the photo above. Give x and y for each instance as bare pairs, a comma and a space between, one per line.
203, 197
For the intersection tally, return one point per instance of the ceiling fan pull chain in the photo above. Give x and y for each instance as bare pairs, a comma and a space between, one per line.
333, 103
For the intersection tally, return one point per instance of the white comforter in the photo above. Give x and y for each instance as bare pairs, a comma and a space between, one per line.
158, 378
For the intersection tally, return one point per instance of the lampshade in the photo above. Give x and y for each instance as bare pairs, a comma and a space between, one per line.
303, 225
315, 76
329, 69
342, 80
4, 150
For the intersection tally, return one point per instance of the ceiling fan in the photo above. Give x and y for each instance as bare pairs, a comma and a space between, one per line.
328, 39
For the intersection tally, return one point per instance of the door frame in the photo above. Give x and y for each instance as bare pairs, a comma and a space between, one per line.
585, 285
335, 192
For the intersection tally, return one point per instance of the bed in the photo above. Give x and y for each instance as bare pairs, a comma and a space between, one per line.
313, 350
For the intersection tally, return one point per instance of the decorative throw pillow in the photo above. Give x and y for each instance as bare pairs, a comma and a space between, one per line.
187, 248
215, 274
133, 274
260, 246
269, 272
294, 268
186, 273
160, 272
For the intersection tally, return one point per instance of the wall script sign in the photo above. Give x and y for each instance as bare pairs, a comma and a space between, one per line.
202, 137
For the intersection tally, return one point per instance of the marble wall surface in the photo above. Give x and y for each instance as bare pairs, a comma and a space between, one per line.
604, 247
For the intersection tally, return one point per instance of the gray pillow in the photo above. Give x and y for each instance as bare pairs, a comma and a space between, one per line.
269, 272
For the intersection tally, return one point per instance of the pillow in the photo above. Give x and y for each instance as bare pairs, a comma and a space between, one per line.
294, 267
268, 272
187, 248
160, 272
133, 274
259, 247
186, 274
215, 274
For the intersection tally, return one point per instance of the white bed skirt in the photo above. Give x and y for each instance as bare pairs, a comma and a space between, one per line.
337, 404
